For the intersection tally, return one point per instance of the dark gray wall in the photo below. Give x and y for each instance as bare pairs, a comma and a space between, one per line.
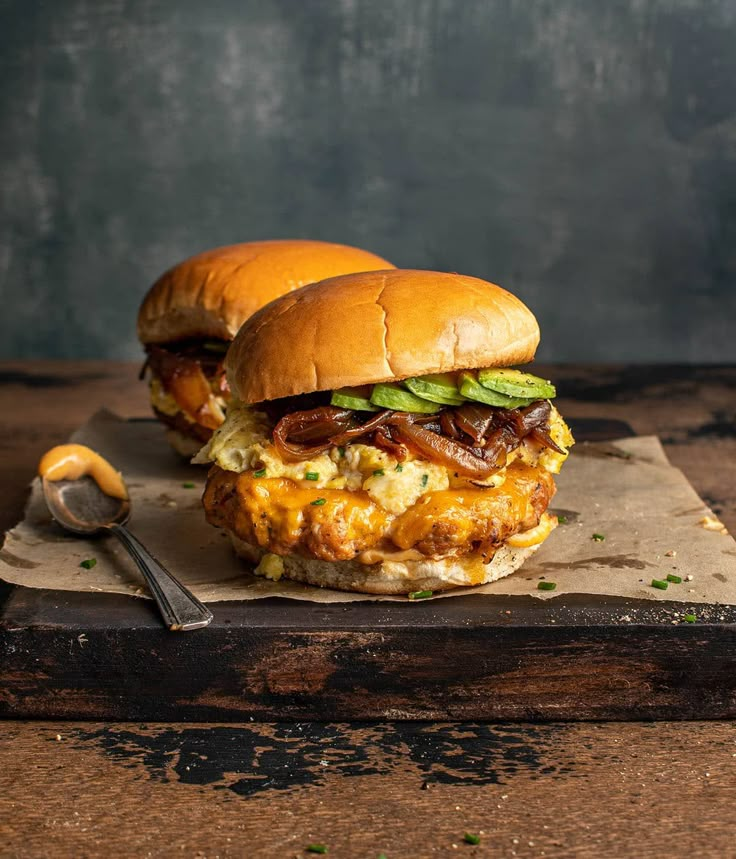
580, 152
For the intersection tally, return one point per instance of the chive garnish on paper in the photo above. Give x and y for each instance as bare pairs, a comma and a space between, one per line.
658, 583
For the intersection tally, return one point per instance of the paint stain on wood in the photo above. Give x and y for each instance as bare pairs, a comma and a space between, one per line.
251, 760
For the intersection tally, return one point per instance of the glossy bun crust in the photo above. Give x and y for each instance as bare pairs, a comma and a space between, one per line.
376, 327
210, 295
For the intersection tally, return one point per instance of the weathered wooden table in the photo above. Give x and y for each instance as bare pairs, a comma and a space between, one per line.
402, 789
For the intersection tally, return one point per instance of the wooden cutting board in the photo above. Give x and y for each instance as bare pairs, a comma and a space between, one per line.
106, 656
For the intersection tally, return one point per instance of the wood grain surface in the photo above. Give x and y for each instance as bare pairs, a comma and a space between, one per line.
405, 789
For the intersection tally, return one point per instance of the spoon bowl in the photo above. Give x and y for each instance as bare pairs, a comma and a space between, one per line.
81, 507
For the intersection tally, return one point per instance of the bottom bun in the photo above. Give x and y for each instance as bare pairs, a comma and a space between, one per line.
184, 445
391, 577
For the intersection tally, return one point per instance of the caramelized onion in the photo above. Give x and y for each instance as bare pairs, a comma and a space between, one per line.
449, 424
475, 420
491, 434
525, 420
362, 429
452, 454
185, 380
542, 436
318, 425
383, 439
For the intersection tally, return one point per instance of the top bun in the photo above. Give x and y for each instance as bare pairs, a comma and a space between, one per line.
376, 327
210, 295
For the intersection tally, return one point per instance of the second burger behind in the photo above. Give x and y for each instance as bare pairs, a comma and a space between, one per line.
379, 439
193, 311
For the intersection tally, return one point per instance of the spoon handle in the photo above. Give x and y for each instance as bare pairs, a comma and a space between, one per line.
180, 609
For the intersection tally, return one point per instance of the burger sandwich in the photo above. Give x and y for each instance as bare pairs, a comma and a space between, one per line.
381, 439
192, 312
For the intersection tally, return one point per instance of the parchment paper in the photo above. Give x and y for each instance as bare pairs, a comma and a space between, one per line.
625, 491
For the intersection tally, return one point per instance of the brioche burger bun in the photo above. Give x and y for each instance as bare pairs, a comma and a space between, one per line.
378, 439
191, 313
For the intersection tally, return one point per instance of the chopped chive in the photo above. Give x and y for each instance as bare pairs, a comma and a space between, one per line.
546, 586
562, 520
341, 451
689, 618
425, 479
260, 473
381, 856
88, 563
658, 583
311, 475
420, 595
316, 848
378, 472
399, 467
468, 838
599, 538
318, 502
188, 485
671, 577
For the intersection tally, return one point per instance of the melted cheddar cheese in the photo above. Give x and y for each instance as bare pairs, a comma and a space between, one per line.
282, 517
275, 514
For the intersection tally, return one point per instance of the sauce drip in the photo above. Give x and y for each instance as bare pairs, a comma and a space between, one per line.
72, 461
378, 556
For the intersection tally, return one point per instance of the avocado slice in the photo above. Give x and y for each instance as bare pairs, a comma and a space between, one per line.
442, 401
437, 388
470, 388
516, 383
352, 398
391, 396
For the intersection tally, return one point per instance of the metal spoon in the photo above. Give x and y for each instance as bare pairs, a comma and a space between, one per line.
82, 507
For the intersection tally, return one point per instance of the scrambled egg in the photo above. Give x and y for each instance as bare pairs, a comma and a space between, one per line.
243, 442
161, 399
549, 460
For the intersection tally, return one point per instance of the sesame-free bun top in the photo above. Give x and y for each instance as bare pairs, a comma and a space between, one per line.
211, 294
376, 327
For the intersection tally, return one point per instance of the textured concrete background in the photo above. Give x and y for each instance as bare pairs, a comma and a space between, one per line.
581, 153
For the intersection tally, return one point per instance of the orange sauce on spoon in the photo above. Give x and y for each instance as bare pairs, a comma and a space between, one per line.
72, 461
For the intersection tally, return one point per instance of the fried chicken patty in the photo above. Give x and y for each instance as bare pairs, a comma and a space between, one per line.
279, 516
